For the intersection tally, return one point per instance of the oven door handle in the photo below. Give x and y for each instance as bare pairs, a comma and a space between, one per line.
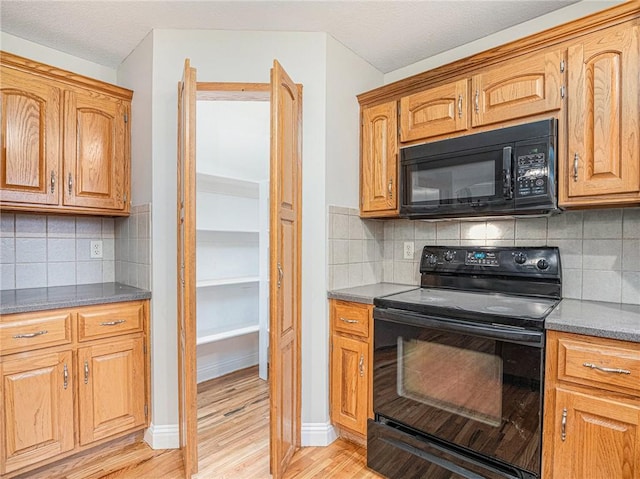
491, 331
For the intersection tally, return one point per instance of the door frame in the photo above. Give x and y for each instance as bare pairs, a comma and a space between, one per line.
217, 91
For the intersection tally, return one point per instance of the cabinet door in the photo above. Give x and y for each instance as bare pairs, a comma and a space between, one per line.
37, 409
379, 162
518, 88
111, 388
435, 112
30, 118
596, 437
95, 150
604, 111
350, 383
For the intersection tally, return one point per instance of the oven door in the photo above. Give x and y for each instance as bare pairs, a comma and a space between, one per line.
474, 385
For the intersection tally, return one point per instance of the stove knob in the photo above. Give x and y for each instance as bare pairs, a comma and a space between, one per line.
432, 259
520, 258
449, 256
543, 264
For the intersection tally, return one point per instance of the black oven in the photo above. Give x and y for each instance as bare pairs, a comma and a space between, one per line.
501, 172
458, 366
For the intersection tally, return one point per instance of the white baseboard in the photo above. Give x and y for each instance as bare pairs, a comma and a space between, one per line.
317, 434
210, 370
168, 436
163, 437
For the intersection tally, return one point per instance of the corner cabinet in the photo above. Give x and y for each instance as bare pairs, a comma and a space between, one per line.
351, 371
65, 141
592, 408
379, 161
71, 378
603, 157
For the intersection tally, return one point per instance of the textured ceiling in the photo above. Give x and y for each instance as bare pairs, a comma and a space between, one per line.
388, 34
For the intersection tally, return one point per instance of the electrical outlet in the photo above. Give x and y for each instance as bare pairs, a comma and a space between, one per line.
96, 249
408, 250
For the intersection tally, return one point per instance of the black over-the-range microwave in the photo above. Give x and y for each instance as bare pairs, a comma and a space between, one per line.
509, 171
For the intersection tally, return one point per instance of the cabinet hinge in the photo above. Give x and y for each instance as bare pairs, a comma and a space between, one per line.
126, 118
146, 411
562, 91
125, 197
561, 66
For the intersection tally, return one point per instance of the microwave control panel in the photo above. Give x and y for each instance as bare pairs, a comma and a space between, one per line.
532, 174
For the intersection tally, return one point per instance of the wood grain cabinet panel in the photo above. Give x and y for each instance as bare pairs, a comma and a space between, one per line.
30, 139
111, 388
351, 368
29, 331
37, 409
110, 320
518, 88
379, 161
592, 408
94, 150
603, 161
65, 141
436, 111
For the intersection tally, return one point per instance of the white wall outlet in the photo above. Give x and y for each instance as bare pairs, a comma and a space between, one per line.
408, 250
96, 249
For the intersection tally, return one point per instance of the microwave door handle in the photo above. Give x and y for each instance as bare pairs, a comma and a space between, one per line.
507, 191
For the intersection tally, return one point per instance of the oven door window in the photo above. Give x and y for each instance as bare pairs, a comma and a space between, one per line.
479, 393
458, 380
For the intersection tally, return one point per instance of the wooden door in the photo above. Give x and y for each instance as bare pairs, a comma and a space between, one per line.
379, 160
37, 408
95, 145
436, 111
349, 383
111, 388
604, 112
601, 437
518, 88
30, 115
186, 287
285, 268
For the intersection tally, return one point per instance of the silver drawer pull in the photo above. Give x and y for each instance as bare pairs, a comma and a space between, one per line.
606, 370
30, 335
349, 321
113, 323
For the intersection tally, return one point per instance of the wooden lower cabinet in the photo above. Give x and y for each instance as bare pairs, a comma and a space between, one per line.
592, 408
351, 368
64, 391
111, 389
37, 408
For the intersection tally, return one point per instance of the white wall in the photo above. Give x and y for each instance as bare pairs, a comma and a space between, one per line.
33, 51
564, 15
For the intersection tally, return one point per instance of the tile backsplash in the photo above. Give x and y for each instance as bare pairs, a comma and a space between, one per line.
133, 247
599, 249
54, 250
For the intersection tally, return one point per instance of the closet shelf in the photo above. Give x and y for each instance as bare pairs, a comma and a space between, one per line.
226, 231
222, 335
226, 185
205, 283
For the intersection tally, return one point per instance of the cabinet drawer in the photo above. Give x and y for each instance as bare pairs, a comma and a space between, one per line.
606, 364
110, 320
351, 318
23, 332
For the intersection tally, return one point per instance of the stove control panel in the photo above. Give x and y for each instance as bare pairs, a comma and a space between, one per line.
523, 261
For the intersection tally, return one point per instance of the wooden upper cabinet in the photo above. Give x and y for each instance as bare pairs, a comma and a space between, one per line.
379, 160
65, 141
94, 150
436, 111
517, 88
603, 162
30, 139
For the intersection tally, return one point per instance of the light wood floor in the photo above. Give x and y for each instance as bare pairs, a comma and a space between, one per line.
233, 443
